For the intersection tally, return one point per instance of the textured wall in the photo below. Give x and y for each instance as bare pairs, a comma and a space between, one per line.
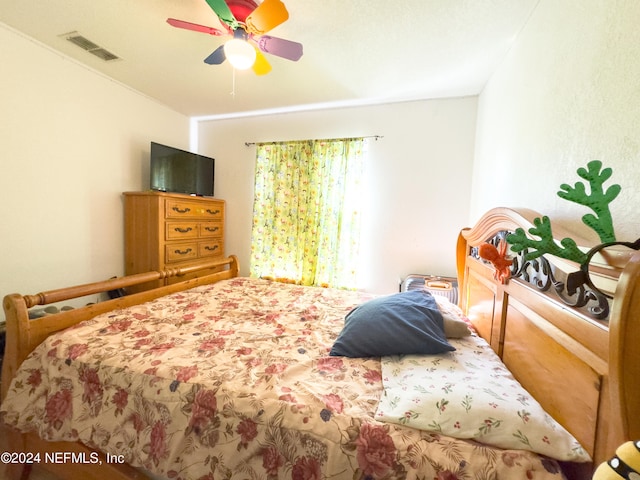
567, 93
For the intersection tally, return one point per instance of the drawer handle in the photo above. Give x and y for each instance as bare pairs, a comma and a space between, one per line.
215, 247
183, 230
212, 229
182, 252
179, 210
213, 212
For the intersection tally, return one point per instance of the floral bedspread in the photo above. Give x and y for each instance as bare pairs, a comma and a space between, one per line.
233, 380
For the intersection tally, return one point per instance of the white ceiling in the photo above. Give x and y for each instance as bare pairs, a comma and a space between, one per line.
355, 51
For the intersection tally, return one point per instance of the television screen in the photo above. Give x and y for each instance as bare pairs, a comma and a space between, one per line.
179, 171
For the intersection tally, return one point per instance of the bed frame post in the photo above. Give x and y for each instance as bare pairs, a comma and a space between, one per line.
17, 329
17, 326
462, 251
624, 351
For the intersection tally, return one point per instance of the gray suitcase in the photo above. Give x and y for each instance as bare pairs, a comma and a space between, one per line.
444, 286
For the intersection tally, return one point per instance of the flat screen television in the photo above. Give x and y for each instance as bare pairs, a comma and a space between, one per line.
179, 171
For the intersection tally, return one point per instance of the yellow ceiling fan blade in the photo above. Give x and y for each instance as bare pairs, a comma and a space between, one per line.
261, 66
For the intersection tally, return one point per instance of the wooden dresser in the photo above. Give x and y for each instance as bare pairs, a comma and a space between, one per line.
165, 230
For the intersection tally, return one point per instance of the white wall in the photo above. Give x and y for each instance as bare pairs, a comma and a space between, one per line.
418, 177
568, 93
72, 141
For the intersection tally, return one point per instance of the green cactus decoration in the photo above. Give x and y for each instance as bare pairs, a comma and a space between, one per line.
567, 249
597, 200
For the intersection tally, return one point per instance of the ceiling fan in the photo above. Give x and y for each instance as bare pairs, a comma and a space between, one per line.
246, 20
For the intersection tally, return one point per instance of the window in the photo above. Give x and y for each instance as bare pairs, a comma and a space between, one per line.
306, 213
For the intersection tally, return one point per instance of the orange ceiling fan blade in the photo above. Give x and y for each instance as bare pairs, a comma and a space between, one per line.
269, 14
261, 66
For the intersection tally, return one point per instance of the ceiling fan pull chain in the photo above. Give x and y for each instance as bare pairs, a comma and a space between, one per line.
233, 83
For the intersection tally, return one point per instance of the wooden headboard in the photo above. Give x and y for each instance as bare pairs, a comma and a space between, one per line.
582, 364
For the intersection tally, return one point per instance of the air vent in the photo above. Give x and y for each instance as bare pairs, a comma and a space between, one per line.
105, 55
89, 46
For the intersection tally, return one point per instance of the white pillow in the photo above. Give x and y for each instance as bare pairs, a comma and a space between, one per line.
470, 394
455, 323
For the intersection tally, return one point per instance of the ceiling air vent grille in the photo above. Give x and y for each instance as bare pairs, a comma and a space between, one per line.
89, 46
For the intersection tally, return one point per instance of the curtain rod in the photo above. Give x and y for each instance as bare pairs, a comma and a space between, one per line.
376, 137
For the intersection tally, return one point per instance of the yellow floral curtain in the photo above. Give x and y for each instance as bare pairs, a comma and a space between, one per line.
306, 214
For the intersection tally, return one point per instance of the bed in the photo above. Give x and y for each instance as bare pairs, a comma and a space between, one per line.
235, 377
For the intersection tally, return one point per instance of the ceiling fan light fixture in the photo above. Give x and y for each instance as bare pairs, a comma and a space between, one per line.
240, 53
246, 20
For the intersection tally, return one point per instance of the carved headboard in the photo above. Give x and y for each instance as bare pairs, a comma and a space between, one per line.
575, 352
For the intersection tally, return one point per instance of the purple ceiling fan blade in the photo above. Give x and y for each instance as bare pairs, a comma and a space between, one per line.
280, 47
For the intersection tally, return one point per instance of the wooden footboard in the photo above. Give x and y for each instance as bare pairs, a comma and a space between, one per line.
25, 334
581, 368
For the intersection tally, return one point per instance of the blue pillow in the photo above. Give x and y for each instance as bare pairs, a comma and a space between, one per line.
403, 323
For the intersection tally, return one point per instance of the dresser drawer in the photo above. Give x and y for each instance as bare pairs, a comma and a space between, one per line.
170, 230
209, 248
178, 208
186, 230
178, 252
210, 229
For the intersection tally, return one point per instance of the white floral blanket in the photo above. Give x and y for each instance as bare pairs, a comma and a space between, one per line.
469, 393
